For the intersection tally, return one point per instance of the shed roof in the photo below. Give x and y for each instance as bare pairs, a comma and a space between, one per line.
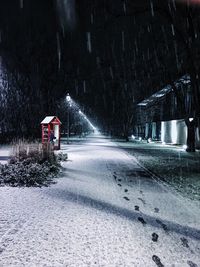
49, 119
160, 94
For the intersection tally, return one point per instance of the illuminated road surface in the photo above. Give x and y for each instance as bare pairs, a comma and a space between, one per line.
105, 210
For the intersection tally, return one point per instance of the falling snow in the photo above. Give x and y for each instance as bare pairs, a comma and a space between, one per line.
152, 8
89, 44
21, 3
110, 70
59, 51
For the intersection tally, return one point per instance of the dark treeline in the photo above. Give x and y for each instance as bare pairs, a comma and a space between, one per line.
109, 55
29, 71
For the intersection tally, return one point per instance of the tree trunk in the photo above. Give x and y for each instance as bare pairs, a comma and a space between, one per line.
190, 136
127, 138
125, 131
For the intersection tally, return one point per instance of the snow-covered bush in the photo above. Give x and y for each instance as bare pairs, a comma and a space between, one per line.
62, 157
30, 165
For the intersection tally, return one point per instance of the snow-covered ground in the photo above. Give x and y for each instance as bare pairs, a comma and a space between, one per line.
102, 212
171, 163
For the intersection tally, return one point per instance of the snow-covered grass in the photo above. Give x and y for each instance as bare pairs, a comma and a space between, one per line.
172, 164
30, 165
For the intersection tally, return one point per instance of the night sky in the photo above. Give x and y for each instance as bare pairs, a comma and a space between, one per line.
108, 55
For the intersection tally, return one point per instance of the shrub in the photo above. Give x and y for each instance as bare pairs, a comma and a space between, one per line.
30, 165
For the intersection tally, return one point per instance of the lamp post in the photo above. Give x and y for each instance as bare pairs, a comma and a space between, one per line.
68, 98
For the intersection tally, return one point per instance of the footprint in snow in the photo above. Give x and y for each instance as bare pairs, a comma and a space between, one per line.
119, 180
126, 198
157, 261
164, 226
140, 219
115, 176
184, 242
125, 190
119, 184
156, 210
137, 208
154, 237
192, 264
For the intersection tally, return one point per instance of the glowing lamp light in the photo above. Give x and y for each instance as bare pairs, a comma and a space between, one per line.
133, 137
68, 98
191, 119
88, 121
185, 147
140, 138
73, 105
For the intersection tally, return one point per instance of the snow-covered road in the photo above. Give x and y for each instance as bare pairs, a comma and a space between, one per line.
105, 210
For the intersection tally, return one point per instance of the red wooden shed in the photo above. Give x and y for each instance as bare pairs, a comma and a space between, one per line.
51, 125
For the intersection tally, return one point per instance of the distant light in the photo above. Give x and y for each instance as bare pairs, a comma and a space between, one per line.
68, 98
191, 119
133, 137
80, 112
149, 140
185, 147
140, 138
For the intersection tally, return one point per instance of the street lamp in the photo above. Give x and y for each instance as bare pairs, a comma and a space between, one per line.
68, 98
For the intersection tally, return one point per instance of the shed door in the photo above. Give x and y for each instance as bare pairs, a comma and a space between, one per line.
56, 134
